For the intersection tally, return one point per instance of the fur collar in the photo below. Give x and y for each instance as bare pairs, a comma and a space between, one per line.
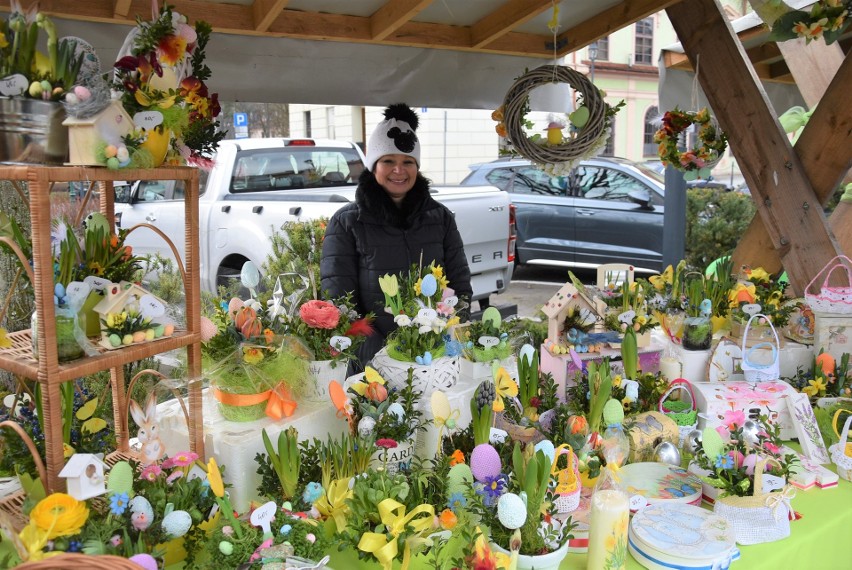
372, 198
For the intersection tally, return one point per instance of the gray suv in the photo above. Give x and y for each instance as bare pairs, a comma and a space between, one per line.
606, 210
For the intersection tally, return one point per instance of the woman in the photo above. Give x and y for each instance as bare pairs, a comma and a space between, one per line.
393, 224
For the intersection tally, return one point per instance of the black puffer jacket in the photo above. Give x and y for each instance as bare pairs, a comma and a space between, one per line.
372, 236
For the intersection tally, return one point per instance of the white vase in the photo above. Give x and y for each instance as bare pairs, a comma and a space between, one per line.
442, 374
549, 561
321, 373
397, 458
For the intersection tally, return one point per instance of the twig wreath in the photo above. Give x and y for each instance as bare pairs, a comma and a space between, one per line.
698, 161
589, 122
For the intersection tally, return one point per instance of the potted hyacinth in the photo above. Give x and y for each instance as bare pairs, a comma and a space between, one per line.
424, 309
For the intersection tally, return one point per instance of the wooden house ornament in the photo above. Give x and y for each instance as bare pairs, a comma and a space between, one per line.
557, 307
120, 295
86, 135
84, 476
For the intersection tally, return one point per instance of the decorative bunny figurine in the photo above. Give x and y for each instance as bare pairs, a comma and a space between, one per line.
149, 432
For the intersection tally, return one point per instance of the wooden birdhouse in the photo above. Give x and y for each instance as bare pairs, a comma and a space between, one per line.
126, 296
84, 476
86, 135
557, 307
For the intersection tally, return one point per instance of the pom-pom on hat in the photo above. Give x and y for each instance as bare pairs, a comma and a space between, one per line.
394, 135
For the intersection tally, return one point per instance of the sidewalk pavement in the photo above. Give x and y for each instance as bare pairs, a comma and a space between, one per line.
529, 296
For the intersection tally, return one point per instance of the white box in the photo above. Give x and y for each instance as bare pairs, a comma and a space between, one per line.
754, 399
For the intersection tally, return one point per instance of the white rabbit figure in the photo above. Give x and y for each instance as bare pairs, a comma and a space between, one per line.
149, 431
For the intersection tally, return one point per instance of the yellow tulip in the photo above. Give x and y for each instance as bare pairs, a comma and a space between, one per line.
214, 476
389, 285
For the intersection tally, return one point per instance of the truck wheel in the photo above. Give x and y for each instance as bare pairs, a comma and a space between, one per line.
229, 271
484, 303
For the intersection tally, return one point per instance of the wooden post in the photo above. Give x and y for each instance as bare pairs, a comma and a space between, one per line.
782, 192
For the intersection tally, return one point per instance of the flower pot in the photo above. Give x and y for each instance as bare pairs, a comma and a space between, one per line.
697, 333
442, 374
241, 407
549, 561
31, 131
479, 371
67, 334
398, 458
321, 373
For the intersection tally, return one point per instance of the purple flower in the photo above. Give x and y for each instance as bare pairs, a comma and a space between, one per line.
492, 488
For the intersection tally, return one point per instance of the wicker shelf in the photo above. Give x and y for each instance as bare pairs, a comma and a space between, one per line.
47, 370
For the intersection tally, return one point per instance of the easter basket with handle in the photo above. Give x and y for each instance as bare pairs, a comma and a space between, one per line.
757, 365
568, 484
832, 299
762, 517
841, 452
683, 412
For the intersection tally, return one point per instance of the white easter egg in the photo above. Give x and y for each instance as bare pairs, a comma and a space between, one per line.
366, 426
397, 411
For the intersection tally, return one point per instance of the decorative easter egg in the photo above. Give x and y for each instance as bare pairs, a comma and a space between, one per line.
429, 285
110, 151
114, 340
492, 316
547, 447
226, 548
139, 336
82, 93
159, 330
751, 429
366, 426
527, 352
71, 99
122, 153
234, 305
613, 412
397, 411
177, 523
146, 561
667, 452
459, 478
511, 511
168, 330
692, 442
485, 462
59, 290
149, 334
712, 442
127, 339
112, 163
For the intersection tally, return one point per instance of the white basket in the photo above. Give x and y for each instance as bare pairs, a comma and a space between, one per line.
442, 374
832, 299
842, 461
753, 370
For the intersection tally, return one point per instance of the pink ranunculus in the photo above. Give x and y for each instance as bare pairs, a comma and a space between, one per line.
734, 419
771, 447
319, 314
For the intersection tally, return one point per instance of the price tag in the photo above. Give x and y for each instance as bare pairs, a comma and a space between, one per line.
638, 502
151, 307
427, 314
451, 301
340, 343
97, 283
772, 483
13, 85
148, 119
77, 292
627, 317
751, 309
263, 516
497, 435
196, 473
488, 341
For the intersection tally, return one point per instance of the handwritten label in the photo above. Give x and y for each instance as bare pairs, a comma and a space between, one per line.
627, 317
263, 516
751, 309
77, 292
451, 301
96, 283
148, 119
427, 315
196, 473
13, 85
488, 341
497, 435
340, 343
772, 483
151, 307
638, 502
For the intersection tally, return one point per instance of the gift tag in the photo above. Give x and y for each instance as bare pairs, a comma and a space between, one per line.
148, 119
427, 314
263, 516
13, 85
637, 502
627, 317
97, 283
751, 309
772, 483
340, 343
151, 307
488, 341
77, 291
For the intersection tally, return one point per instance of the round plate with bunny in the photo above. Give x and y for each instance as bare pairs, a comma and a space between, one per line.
725, 362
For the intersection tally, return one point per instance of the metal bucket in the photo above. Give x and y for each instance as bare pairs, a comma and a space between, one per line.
31, 131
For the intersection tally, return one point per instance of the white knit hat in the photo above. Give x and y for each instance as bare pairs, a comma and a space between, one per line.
394, 135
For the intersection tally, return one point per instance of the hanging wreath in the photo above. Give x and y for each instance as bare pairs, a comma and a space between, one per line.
698, 161
556, 153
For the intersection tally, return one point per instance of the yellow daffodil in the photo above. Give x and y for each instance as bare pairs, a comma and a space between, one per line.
815, 387
758, 274
214, 476
616, 381
660, 281
438, 274
389, 285
505, 388
34, 540
4, 340
418, 286
59, 515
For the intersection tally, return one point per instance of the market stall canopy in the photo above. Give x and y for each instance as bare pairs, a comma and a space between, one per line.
441, 53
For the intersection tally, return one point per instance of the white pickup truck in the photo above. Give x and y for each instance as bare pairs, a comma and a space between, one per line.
258, 184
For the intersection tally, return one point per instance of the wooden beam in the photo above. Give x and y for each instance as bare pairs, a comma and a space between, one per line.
121, 8
394, 14
825, 149
812, 65
779, 185
264, 12
507, 17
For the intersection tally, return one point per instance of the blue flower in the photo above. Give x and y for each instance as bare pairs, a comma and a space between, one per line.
313, 491
452, 347
456, 501
118, 503
75, 546
724, 461
492, 488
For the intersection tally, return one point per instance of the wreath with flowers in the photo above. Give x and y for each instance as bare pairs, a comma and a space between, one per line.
827, 19
698, 161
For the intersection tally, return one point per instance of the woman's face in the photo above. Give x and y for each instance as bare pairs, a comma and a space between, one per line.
396, 173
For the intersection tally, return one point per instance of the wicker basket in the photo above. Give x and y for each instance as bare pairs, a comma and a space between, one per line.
81, 562
755, 370
12, 505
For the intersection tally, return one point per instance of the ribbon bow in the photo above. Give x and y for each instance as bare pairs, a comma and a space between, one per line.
281, 403
333, 503
774, 500
392, 514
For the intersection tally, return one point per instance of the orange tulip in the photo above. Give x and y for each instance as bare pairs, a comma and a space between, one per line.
252, 328
243, 316
376, 392
825, 362
578, 424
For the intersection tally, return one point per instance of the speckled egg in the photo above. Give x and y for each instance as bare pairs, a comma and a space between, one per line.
547, 447
485, 462
366, 426
512, 511
177, 523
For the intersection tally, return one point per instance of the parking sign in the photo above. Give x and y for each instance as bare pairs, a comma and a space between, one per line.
241, 119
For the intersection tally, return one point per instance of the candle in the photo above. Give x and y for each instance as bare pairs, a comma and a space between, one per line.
670, 368
608, 530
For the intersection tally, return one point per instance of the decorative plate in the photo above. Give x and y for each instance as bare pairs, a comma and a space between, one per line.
800, 327
684, 532
660, 482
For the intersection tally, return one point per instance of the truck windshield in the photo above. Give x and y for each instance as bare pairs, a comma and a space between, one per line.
295, 168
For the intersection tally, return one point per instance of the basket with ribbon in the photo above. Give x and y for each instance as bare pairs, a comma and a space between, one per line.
832, 299
841, 452
683, 411
762, 517
760, 362
568, 484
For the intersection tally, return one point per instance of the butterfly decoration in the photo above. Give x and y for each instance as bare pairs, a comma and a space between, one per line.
649, 425
443, 414
341, 402
505, 387
685, 490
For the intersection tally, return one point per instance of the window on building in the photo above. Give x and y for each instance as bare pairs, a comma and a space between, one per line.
307, 115
644, 46
649, 147
329, 118
603, 49
609, 149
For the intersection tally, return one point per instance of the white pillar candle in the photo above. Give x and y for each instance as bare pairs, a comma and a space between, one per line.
670, 368
608, 530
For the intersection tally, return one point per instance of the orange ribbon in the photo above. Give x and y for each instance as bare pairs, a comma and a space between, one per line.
281, 403
241, 400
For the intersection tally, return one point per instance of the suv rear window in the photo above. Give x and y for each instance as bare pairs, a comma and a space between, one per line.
295, 168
